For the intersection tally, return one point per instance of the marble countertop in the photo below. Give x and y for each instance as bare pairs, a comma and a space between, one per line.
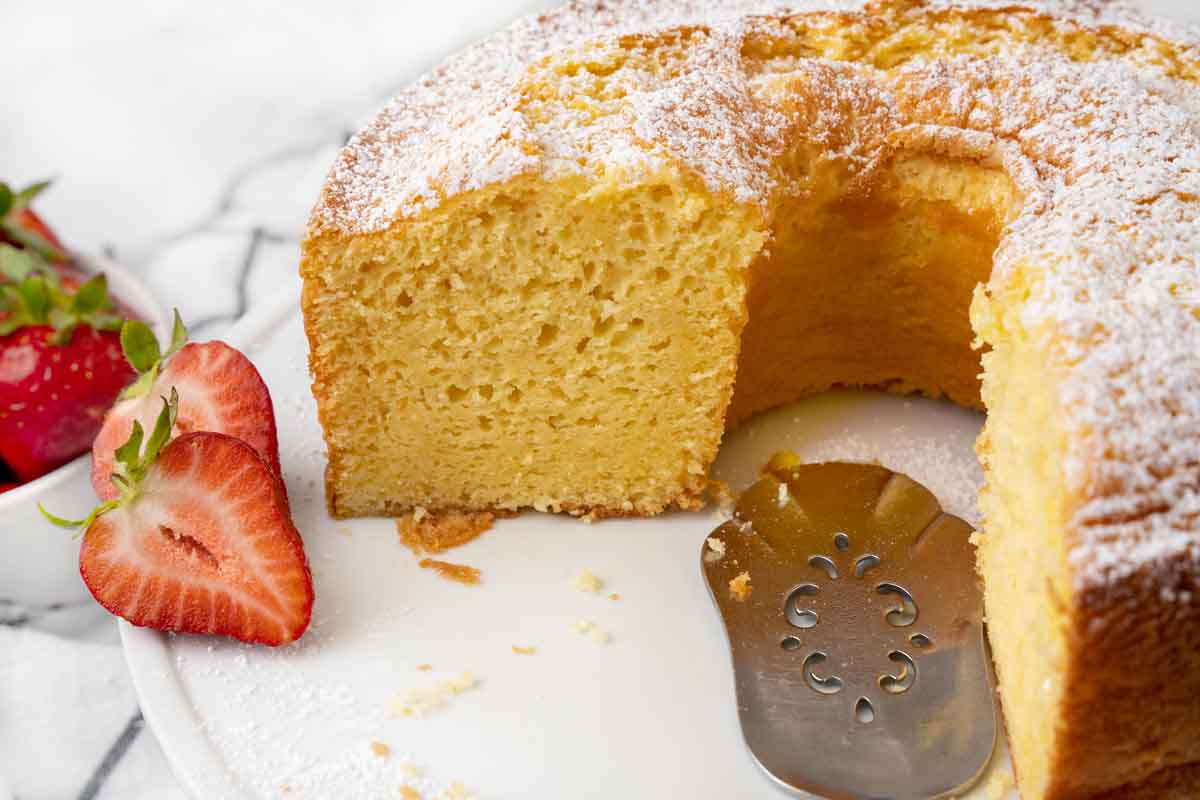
188, 142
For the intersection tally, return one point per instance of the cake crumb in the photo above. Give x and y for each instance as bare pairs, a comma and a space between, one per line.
380, 749
740, 588
452, 572
424, 667
409, 769
455, 791
781, 461
592, 631
409, 793
614, 596
722, 494
419, 702
524, 651
585, 581
716, 548
423, 532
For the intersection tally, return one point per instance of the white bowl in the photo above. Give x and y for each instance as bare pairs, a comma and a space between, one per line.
39, 563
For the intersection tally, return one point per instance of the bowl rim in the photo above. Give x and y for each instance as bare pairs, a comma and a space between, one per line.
132, 291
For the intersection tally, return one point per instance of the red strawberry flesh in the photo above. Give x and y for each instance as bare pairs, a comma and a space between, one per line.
220, 390
207, 546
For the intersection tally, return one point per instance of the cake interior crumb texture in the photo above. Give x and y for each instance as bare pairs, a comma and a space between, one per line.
553, 272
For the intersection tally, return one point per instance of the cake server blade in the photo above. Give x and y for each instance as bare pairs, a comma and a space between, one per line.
855, 623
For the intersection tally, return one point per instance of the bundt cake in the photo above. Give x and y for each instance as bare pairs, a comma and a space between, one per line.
553, 271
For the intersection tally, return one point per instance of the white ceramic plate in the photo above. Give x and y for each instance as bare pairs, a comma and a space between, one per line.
650, 714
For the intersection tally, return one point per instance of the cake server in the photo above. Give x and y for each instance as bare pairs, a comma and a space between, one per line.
855, 623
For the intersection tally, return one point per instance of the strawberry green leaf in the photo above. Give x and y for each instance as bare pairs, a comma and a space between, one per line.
36, 298
140, 345
127, 455
16, 265
91, 296
142, 385
84, 523
64, 324
23, 198
105, 321
12, 204
162, 428
179, 335
142, 350
31, 240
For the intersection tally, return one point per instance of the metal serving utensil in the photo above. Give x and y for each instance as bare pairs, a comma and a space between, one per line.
859, 655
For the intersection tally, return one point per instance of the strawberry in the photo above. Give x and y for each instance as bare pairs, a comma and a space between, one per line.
61, 364
20, 226
222, 391
7, 479
198, 540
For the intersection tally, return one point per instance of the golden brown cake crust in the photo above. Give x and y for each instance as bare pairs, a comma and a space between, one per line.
1131, 705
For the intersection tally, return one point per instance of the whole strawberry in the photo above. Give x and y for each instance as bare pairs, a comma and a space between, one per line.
61, 364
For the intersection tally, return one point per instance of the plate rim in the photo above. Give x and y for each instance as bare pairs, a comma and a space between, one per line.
162, 698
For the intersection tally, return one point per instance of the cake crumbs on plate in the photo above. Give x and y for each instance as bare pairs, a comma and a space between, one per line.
409, 793
716, 548
423, 532
614, 596
740, 588
424, 667
592, 631
524, 650
419, 702
409, 770
380, 749
585, 581
461, 573
455, 791
722, 494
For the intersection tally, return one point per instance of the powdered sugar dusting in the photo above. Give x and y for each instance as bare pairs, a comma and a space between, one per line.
1107, 154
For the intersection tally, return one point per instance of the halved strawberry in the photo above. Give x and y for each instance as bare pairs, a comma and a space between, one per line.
198, 541
221, 389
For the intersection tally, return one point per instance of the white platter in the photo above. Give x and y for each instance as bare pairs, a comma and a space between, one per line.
650, 714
